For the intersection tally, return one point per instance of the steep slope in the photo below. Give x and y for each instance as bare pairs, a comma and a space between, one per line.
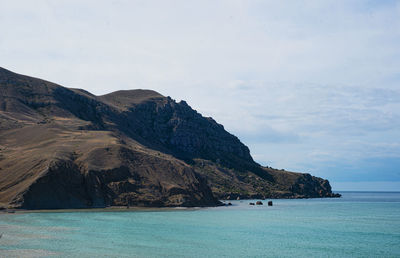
177, 128
55, 152
66, 148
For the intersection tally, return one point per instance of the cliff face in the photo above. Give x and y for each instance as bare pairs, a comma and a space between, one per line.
131, 180
177, 129
66, 148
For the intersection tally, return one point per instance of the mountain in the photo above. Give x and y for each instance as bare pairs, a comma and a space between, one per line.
67, 148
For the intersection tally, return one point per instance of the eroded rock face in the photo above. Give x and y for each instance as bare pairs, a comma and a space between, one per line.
232, 184
134, 181
177, 128
308, 186
66, 148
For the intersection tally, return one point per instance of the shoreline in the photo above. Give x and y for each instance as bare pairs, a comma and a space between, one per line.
105, 209
224, 203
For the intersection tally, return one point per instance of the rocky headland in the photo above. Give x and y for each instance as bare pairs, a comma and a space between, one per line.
67, 148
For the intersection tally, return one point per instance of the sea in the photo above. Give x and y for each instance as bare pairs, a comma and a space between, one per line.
360, 224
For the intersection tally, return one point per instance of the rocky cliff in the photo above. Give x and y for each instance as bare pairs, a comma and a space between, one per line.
66, 148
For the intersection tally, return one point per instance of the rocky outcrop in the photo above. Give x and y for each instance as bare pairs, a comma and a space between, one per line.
66, 148
307, 186
67, 185
175, 127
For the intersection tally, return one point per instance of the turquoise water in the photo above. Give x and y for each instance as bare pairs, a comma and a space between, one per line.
357, 225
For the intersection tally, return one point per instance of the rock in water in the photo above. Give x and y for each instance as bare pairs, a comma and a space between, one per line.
259, 203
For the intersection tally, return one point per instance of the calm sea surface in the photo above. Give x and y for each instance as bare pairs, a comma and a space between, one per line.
361, 224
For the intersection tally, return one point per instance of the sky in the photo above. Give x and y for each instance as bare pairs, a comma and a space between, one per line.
309, 86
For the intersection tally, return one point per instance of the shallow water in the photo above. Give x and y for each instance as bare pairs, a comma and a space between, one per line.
358, 225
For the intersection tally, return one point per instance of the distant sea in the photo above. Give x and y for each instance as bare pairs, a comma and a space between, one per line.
360, 224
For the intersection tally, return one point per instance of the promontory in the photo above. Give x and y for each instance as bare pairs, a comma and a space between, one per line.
67, 148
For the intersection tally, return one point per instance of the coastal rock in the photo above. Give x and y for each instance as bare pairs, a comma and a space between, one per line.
308, 186
259, 203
